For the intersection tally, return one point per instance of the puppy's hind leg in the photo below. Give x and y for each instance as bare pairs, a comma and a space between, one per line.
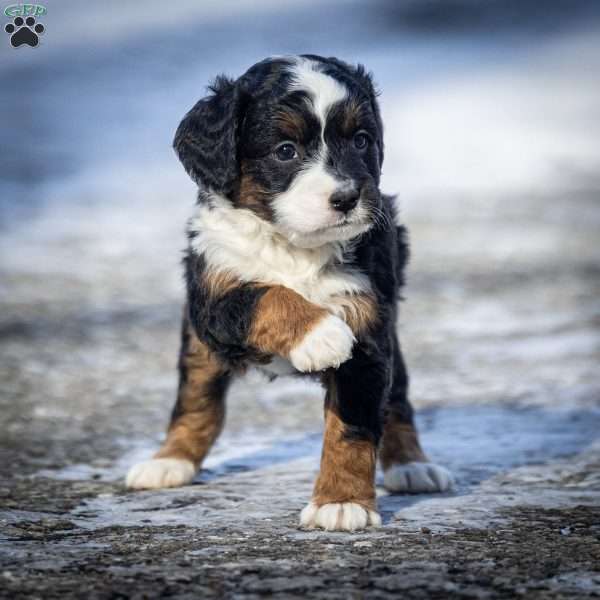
196, 421
406, 468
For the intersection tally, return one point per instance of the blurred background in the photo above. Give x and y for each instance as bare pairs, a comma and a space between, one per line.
492, 117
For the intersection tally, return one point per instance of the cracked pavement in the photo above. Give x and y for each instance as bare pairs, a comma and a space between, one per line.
500, 325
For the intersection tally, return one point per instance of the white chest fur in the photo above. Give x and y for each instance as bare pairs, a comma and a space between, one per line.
236, 241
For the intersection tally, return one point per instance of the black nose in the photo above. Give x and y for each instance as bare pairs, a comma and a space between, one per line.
344, 201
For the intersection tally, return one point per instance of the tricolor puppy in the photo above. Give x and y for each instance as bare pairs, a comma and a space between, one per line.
294, 265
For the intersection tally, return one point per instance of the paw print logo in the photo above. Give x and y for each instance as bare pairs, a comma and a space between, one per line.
24, 31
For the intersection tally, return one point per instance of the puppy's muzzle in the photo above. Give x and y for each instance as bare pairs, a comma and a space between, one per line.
344, 200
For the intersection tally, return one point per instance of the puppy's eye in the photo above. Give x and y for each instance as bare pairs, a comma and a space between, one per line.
286, 151
361, 140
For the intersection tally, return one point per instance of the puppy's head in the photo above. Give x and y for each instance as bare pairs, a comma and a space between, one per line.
298, 141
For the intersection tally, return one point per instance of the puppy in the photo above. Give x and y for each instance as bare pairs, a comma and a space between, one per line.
294, 265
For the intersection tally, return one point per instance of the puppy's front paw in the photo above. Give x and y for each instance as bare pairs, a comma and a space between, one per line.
328, 344
417, 478
338, 516
160, 473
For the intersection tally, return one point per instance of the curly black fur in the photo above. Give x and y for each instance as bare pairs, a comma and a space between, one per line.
230, 134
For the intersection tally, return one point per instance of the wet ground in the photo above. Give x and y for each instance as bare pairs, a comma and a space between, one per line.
495, 155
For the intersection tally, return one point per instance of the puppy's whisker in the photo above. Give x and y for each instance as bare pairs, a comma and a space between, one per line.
381, 219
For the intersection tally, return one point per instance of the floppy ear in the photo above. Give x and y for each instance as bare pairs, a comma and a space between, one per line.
206, 139
366, 81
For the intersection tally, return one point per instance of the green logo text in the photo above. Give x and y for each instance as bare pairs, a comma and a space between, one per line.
25, 10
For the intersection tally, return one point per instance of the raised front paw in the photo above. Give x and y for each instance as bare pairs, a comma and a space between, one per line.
160, 473
338, 516
328, 344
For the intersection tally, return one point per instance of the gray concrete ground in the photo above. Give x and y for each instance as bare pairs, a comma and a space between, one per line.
496, 163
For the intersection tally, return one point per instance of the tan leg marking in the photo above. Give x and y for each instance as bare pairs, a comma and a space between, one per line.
196, 422
200, 410
282, 320
347, 467
400, 444
344, 493
285, 324
359, 312
405, 466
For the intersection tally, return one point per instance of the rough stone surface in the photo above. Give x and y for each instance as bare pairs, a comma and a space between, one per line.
501, 329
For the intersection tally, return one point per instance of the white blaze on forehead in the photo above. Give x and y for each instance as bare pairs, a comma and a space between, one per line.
303, 212
324, 90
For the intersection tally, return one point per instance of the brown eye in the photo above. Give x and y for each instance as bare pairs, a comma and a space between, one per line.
286, 151
361, 140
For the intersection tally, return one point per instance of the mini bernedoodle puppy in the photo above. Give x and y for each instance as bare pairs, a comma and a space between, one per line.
294, 265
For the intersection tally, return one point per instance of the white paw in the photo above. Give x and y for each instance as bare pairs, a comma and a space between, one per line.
417, 477
338, 516
329, 344
160, 473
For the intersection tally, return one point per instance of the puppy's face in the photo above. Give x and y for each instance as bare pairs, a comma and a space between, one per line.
297, 141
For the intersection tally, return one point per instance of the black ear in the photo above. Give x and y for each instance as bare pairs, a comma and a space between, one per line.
206, 140
366, 81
